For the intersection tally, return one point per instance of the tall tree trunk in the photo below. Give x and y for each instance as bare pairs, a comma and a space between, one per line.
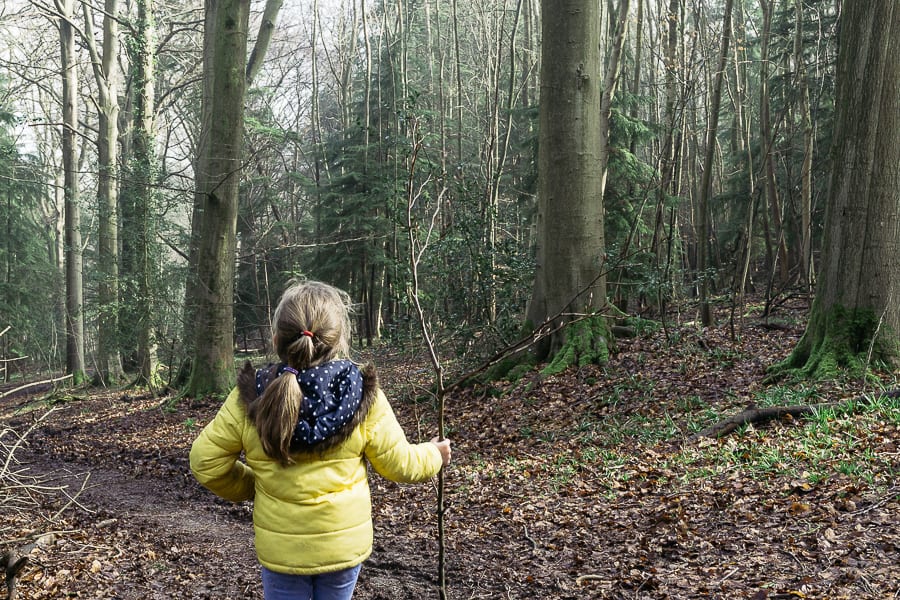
610, 83
855, 317
574, 110
776, 229
193, 284
106, 74
500, 143
636, 81
460, 159
138, 204
75, 364
248, 295
704, 234
212, 370
806, 267
667, 149
742, 145
320, 161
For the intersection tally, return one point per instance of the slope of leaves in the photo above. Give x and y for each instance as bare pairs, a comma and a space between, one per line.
580, 485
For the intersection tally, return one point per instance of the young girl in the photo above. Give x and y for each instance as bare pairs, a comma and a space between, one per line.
307, 427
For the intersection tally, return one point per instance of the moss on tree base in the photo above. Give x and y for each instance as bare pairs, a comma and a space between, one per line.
840, 340
587, 342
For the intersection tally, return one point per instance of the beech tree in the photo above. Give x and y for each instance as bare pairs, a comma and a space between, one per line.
106, 75
572, 158
706, 316
218, 179
855, 317
73, 253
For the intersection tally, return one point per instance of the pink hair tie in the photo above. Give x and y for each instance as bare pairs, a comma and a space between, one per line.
307, 333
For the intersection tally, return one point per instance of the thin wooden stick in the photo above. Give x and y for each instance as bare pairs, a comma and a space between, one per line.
416, 250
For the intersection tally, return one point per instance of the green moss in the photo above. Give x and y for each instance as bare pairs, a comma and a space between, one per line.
517, 372
840, 341
502, 369
587, 342
79, 378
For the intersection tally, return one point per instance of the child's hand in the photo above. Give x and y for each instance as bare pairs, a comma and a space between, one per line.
444, 447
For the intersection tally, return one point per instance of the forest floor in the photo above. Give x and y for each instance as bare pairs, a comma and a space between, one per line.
588, 484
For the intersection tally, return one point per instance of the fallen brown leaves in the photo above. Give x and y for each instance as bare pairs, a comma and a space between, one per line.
580, 485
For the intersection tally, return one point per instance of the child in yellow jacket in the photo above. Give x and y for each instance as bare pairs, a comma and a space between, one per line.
306, 427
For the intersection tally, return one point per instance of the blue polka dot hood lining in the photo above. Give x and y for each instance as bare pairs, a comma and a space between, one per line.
336, 398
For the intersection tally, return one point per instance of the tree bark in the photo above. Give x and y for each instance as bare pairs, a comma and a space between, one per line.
74, 276
806, 266
106, 74
570, 276
192, 286
855, 317
666, 163
138, 205
704, 235
212, 370
776, 230
263, 38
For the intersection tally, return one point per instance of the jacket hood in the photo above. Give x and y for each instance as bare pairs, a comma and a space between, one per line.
337, 396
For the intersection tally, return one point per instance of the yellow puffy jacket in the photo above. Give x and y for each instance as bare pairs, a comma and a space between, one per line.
314, 516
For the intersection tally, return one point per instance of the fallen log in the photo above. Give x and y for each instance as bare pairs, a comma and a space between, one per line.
34, 384
756, 415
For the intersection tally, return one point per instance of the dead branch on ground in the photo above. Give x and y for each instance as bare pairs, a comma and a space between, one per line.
20, 495
33, 384
757, 415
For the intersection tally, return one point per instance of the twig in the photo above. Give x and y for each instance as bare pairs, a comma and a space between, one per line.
74, 499
534, 545
872, 342
31, 538
887, 498
19, 441
10, 360
729, 574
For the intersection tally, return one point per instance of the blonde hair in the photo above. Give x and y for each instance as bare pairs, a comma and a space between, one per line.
311, 326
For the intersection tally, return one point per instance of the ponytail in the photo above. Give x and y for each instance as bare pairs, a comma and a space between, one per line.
300, 351
275, 415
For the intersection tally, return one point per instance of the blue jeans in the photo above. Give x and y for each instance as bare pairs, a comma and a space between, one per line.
338, 585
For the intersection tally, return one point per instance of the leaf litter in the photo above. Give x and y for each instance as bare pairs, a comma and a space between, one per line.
578, 485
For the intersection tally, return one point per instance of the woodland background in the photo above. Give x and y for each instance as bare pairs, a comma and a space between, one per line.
484, 176
367, 121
